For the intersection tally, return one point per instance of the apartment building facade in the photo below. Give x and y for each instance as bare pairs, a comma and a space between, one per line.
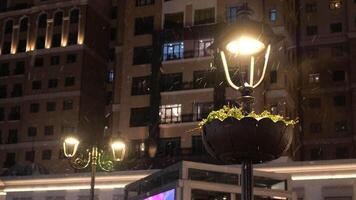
166, 80
52, 79
326, 36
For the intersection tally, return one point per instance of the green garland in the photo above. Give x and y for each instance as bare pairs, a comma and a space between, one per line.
235, 112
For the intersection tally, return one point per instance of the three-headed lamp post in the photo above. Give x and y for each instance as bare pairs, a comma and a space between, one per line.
93, 157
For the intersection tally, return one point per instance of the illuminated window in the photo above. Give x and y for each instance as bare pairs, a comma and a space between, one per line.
201, 110
201, 47
314, 78
110, 76
273, 15
173, 51
170, 113
334, 4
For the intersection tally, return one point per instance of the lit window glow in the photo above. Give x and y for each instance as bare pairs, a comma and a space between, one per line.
170, 113
245, 46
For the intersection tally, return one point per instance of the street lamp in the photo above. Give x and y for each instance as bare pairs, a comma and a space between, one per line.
92, 156
249, 140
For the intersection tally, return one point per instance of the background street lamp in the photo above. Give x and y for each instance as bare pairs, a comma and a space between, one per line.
249, 140
92, 156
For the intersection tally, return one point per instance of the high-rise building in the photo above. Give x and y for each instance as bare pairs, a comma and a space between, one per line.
141, 69
52, 74
326, 49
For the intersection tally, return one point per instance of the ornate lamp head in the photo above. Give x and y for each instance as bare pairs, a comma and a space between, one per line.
70, 146
118, 149
245, 40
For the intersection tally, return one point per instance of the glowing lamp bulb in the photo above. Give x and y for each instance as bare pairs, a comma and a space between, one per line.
245, 46
70, 146
118, 150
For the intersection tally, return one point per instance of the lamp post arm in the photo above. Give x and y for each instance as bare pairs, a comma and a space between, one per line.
79, 162
264, 67
105, 164
227, 73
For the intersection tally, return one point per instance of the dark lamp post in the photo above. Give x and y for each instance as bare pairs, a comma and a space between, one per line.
92, 156
248, 140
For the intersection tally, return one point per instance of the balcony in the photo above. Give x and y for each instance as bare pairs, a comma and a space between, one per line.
184, 118
188, 86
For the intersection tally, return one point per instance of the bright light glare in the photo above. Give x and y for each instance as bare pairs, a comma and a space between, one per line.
245, 46
118, 150
70, 146
118, 145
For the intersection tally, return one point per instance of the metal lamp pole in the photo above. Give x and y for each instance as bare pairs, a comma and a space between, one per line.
92, 157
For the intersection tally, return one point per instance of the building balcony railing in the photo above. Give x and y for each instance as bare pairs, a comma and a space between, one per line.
184, 118
188, 86
186, 55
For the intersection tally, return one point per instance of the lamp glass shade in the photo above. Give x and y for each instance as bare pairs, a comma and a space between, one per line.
70, 146
245, 45
118, 150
